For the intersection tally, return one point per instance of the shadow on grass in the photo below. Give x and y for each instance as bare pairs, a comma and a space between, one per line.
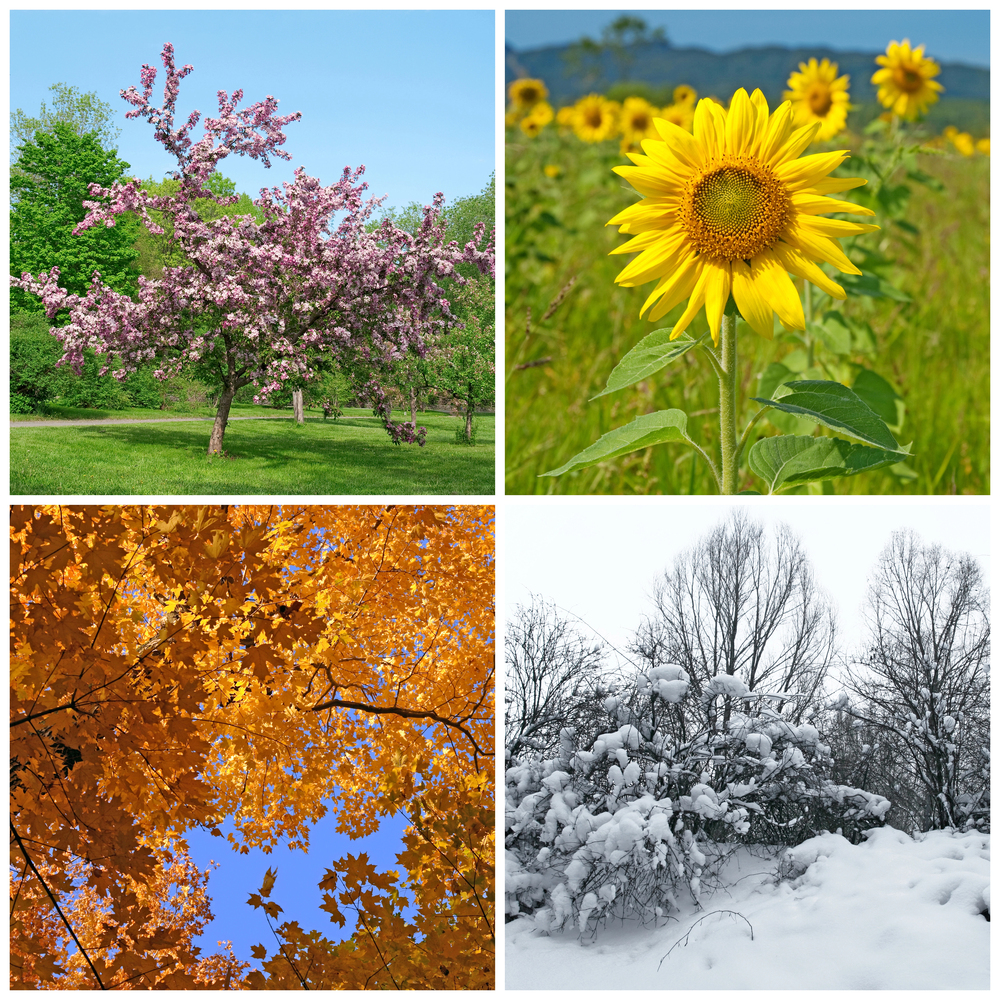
265, 457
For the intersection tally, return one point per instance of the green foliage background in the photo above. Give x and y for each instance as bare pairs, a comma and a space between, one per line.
47, 194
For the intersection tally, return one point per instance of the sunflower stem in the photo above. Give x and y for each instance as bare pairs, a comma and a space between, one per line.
727, 406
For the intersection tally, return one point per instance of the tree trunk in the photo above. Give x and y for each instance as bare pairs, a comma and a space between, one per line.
468, 423
413, 406
297, 406
221, 419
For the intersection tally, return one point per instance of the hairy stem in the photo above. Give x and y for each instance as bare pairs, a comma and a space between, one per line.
727, 406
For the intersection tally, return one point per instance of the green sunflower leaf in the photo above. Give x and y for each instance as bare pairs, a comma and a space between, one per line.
871, 285
652, 428
789, 459
880, 396
837, 407
653, 352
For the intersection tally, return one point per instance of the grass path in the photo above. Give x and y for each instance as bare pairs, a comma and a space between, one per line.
136, 420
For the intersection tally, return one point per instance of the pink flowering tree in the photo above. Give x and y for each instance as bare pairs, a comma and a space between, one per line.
258, 302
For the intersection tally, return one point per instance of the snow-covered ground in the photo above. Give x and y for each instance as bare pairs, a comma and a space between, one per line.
890, 913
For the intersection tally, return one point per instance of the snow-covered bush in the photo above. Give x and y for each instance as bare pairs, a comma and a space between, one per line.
642, 816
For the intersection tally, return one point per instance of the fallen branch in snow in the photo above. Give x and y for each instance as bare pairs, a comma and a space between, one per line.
684, 939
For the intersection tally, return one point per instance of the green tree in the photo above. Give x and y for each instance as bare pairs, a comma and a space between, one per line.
463, 362
156, 250
461, 217
460, 363
48, 195
82, 112
619, 41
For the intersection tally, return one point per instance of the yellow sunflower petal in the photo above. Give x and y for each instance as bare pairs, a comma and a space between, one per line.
795, 143
819, 248
740, 121
816, 204
647, 181
836, 228
682, 144
654, 262
759, 103
673, 289
794, 262
642, 241
707, 134
718, 284
779, 128
805, 171
777, 289
695, 302
834, 185
753, 307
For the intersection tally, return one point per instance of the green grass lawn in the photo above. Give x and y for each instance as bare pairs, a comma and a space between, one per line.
934, 351
270, 457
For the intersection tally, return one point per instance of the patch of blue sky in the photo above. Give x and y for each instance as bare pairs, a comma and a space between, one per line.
296, 889
407, 93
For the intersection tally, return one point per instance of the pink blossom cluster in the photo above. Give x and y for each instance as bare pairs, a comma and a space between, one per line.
307, 282
373, 392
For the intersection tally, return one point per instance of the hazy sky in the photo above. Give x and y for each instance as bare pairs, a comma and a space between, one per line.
409, 94
600, 559
951, 35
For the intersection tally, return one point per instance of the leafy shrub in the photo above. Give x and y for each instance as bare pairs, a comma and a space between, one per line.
33, 356
36, 377
22, 404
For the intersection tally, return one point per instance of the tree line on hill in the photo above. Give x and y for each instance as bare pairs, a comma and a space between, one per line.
629, 59
59, 153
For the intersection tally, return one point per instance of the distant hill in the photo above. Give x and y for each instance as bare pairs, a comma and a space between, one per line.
661, 66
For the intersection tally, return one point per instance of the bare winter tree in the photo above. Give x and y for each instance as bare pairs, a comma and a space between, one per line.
922, 686
744, 603
552, 680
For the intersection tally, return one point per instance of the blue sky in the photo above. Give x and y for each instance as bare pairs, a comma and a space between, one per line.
296, 888
950, 35
409, 94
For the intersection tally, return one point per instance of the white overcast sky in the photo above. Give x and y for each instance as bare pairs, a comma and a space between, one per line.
599, 559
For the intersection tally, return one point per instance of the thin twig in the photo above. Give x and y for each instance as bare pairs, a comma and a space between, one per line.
55, 903
532, 364
684, 939
281, 948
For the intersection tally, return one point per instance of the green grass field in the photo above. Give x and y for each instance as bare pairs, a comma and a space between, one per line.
270, 457
934, 350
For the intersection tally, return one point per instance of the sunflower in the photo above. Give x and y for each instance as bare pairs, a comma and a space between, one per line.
679, 114
525, 94
819, 95
685, 95
636, 122
962, 141
537, 118
732, 209
905, 85
595, 118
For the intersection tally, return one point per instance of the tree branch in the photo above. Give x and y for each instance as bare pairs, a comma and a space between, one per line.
406, 713
55, 903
